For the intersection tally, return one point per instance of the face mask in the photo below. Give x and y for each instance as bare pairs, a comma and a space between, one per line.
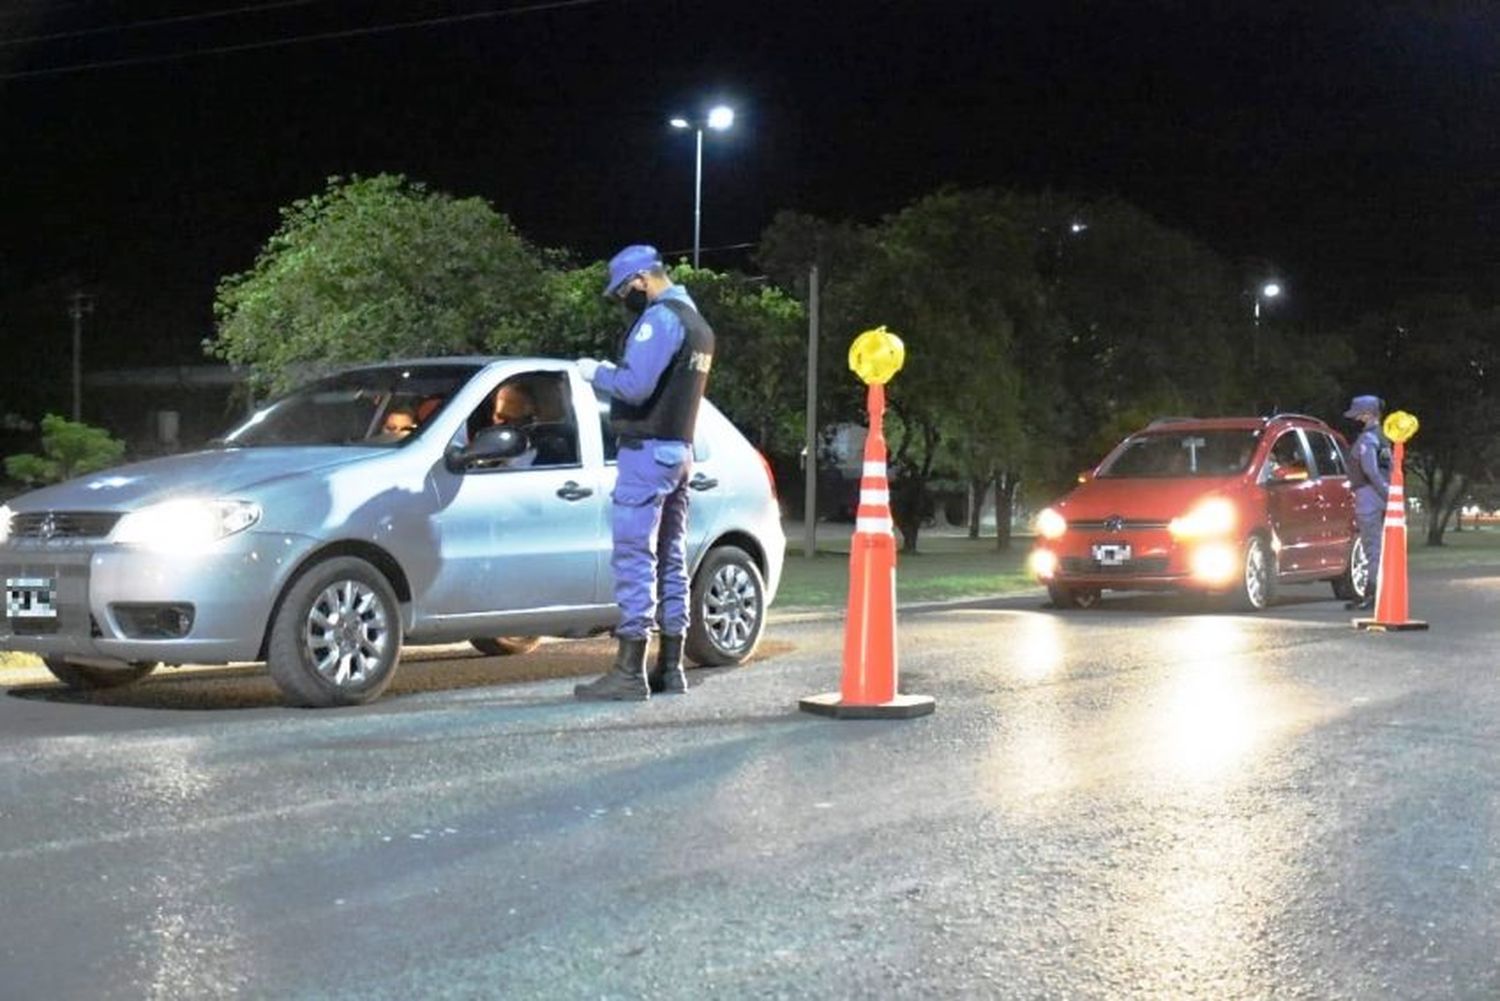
635, 301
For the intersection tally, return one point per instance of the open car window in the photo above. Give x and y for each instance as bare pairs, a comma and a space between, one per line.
537, 403
383, 406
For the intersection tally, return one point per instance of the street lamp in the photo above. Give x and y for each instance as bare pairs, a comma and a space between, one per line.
1266, 292
719, 118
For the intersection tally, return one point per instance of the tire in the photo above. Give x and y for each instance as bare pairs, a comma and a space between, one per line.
89, 677
322, 656
505, 646
728, 608
1352, 584
1256, 588
1064, 596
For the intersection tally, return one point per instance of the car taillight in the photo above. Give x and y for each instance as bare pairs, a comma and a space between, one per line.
770, 477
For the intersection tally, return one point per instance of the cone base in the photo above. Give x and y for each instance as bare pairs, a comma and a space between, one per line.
1376, 626
831, 704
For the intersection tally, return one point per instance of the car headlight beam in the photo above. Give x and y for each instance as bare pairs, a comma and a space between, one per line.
1050, 524
185, 526
1211, 518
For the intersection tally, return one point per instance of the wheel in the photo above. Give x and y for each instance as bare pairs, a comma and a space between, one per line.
505, 646
336, 636
1257, 582
1064, 596
1353, 583
89, 677
729, 608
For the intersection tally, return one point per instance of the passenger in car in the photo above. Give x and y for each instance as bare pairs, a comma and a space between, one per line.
398, 423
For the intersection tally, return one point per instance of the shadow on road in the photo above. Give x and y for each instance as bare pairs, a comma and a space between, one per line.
250, 687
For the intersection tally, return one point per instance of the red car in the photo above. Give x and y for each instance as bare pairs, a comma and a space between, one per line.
1233, 506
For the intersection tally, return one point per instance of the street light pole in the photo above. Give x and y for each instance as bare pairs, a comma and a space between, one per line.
718, 119
698, 199
79, 304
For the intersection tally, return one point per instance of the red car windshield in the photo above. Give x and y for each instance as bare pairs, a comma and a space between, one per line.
1178, 454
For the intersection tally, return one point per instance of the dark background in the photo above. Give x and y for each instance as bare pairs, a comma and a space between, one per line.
1351, 144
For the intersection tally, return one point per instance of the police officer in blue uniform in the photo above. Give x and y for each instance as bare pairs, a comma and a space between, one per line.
654, 389
1369, 478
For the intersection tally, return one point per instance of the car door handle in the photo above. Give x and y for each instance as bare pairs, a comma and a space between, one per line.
701, 482
571, 491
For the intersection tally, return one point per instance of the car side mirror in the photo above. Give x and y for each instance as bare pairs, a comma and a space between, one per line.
491, 444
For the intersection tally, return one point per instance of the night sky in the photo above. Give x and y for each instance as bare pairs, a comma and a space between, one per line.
1354, 144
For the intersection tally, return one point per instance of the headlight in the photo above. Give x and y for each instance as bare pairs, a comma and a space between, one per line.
1210, 518
1050, 524
185, 525
5, 514
1043, 564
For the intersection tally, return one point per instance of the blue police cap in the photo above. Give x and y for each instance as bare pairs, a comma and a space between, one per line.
628, 263
1361, 405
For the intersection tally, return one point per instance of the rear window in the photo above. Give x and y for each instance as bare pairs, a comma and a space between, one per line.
1165, 455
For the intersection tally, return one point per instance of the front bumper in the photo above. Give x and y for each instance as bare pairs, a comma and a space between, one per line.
1157, 562
231, 587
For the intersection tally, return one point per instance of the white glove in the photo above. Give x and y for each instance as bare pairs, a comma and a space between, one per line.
587, 367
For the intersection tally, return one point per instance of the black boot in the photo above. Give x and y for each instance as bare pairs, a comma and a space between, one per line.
625, 681
1362, 605
667, 677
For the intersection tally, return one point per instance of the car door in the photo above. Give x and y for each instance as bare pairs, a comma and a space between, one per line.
1293, 502
524, 533
1334, 498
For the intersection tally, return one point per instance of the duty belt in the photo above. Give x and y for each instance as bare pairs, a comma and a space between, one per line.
632, 443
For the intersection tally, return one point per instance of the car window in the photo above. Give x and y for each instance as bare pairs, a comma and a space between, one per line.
1327, 455
606, 433
386, 406
538, 403
1287, 454
1182, 454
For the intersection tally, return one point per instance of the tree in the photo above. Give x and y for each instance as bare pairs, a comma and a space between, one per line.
374, 268
69, 449
1439, 358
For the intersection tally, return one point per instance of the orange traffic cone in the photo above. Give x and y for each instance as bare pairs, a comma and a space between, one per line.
1390, 582
869, 680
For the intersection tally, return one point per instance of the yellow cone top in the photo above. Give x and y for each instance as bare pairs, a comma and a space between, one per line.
1400, 426
877, 355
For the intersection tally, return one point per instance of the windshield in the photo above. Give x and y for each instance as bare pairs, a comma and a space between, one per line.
1183, 454
370, 406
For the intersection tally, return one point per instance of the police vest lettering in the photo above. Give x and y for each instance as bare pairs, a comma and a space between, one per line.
671, 411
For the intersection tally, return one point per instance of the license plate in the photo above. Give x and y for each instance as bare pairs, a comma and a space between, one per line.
30, 598
1111, 554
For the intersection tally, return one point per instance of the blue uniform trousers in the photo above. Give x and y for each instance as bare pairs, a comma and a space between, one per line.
650, 516
1369, 516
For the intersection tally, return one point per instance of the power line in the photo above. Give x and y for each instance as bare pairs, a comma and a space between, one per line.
155, 22
377, 29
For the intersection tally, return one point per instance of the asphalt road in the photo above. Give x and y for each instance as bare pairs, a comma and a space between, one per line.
1147, 800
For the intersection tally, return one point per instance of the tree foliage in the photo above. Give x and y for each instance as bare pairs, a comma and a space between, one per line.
1439, 358
375, 268
69, 449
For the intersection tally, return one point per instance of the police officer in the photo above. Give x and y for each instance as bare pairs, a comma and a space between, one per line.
654, 390
1369, 478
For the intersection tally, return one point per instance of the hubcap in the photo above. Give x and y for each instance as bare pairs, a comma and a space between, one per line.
731, 608
348, 633
1359, 569
1255, 574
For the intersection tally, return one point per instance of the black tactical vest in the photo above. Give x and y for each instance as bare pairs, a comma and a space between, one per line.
671, 411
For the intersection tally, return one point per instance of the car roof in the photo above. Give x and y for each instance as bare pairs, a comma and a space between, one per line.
1162, 424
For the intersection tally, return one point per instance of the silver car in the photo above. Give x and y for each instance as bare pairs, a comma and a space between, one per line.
387, 505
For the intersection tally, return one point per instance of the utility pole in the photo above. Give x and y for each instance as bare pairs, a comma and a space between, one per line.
80, 304
810, 465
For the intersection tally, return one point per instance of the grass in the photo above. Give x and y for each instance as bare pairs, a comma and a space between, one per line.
949, 567
945, 567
